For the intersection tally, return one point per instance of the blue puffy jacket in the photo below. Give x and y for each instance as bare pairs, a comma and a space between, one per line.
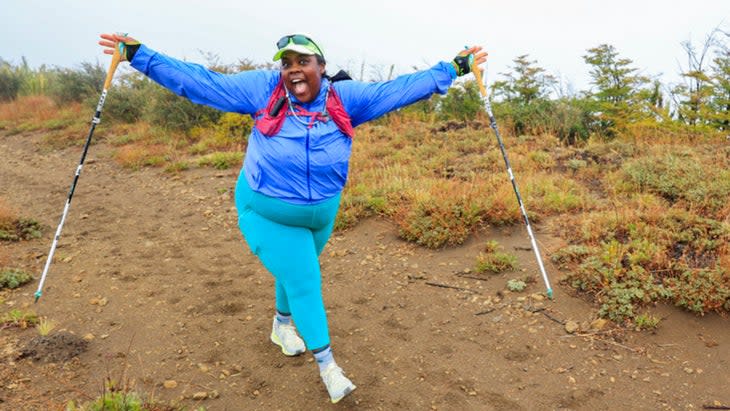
300, 165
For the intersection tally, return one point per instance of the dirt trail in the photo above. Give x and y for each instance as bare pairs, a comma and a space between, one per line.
152, 271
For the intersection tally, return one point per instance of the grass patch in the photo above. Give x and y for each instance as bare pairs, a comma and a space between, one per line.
136, 156
221, 160
19, 318
45, 326
681, 177
495, 261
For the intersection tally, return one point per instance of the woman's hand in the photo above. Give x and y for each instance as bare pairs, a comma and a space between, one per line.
127, 45
472, 56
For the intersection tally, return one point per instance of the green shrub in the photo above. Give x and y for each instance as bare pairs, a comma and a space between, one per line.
494, 260
462, 102
702, 290
646, 321
178, 113
76, 85
516, 285
221, 160
681, 177
124, 104
434, 223
20, 229
10, 81
13, 278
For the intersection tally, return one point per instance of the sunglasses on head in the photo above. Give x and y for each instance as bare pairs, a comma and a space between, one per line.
297, 39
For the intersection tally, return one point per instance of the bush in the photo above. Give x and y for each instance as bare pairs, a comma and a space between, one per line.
221, 160
13, 278
462, 102
127, 102
434, 223
681, 177
567, 119
10, 81
646, 255
170, 110
69, 85
20, 229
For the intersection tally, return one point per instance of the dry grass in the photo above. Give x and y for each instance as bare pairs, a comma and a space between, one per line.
8, 216
136, 155
37, 109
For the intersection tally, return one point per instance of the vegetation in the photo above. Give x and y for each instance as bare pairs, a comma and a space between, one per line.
16, 228
495, 261
13, 278
632, 174
18, 318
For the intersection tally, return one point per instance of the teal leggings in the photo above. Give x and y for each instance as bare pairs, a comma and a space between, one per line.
288, 239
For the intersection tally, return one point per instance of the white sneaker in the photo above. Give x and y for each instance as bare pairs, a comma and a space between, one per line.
338, 386
286, 337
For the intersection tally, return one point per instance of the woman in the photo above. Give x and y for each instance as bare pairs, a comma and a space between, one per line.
296, 163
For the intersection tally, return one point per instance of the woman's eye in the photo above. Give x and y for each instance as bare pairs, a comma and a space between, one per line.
303, 62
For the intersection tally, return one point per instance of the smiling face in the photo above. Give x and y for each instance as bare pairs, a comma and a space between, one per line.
302, 75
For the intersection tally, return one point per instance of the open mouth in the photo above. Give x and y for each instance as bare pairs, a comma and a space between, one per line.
299, 86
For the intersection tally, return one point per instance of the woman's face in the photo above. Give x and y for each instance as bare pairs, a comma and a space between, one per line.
302, 75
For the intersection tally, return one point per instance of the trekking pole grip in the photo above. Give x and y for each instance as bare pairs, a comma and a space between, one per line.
116, 58
478, 75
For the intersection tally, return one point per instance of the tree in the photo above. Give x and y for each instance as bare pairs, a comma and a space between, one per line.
621, 94
719, 103
529, 82
692, 96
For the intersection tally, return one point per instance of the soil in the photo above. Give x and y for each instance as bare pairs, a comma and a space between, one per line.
152, 286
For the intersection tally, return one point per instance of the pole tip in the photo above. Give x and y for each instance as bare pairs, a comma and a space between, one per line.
550, 293
37, 296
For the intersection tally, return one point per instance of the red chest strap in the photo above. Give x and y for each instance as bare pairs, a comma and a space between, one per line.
269, 125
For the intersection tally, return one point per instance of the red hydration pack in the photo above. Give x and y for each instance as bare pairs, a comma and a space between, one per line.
274, 114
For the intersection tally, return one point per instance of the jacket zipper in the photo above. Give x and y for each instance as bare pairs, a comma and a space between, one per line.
309, 178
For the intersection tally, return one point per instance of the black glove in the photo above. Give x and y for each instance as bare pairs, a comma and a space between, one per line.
128, 49
462, 63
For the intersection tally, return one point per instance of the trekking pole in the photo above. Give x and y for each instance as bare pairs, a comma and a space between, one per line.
493, 124
116, 58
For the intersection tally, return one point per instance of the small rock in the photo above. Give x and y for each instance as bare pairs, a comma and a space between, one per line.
89, 337
689, 370
571, 327
598, 324
169, 384
201, 395
571, 380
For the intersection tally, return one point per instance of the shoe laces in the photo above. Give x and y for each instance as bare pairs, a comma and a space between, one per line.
334, 379
287, 333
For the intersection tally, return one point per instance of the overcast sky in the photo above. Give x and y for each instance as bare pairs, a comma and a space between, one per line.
378, 32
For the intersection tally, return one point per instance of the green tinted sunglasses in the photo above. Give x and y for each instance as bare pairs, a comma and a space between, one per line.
299, 39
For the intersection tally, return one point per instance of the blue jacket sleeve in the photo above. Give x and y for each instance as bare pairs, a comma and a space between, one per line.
368, 101
244, 92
